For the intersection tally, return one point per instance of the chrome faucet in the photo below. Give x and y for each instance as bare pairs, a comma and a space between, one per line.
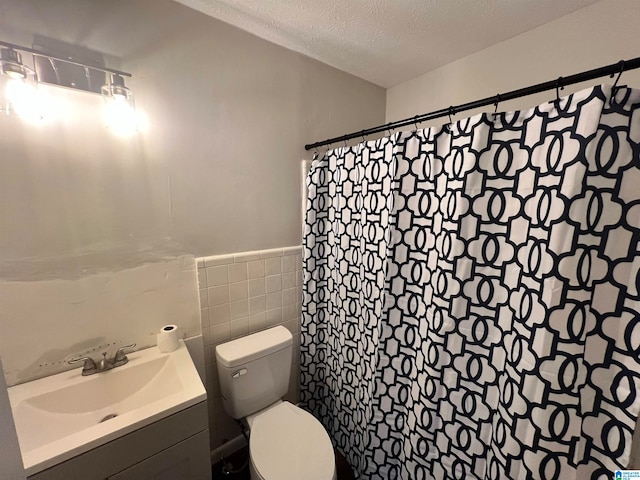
90, 366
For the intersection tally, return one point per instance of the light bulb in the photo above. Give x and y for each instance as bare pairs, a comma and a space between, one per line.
11, 64
22, 99
120, 116
14, 75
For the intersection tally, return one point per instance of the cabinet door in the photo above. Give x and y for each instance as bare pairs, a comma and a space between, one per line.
187, 460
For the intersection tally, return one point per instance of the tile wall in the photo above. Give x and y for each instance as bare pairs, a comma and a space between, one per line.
240, 294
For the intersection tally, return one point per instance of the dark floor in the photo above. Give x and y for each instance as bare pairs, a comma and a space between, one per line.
234, 461
239, 458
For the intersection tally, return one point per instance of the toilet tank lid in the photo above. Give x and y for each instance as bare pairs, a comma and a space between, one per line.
254, 346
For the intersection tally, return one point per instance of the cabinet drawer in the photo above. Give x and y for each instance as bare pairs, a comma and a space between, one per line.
188, 460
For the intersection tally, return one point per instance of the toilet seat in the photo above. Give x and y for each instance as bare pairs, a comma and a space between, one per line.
287, 443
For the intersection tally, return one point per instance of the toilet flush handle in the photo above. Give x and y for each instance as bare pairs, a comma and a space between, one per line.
239, 373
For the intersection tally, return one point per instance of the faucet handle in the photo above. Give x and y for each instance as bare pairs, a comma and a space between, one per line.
121, 358
89, 366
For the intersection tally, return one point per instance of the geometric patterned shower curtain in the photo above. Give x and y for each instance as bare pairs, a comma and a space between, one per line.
471, 295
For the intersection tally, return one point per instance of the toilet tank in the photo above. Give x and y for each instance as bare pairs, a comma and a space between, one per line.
254, 370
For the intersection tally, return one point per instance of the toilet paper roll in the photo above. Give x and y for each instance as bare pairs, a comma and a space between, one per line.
168, 338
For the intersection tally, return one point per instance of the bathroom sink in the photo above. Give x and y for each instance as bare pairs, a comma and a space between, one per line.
64, 415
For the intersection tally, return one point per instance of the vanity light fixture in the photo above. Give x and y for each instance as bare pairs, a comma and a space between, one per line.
17, 79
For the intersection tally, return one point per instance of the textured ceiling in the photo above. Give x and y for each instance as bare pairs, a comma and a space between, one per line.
386, 41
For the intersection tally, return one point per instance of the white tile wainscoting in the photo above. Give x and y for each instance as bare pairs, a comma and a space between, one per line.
243, 293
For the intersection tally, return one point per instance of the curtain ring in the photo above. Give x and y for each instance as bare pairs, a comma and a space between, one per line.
452, 112
559, 86
362, 135
315, 154
415, 122
615, 87
615, 84
495, 110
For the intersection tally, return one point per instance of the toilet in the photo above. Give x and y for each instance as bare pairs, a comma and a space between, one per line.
285, 442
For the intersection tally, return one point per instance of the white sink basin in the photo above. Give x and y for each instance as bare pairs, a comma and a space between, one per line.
61, 416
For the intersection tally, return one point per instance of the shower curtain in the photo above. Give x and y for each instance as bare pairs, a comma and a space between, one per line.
471, 294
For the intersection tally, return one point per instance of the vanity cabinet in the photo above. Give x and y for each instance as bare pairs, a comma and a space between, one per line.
172, 448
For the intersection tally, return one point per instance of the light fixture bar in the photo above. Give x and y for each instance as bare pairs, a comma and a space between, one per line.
61, 59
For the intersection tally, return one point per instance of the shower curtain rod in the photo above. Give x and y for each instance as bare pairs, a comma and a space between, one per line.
558, 84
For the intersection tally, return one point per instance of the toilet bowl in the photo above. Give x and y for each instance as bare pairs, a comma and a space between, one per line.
287, 443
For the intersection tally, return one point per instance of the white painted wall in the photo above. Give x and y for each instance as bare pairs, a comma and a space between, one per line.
217, 169
598, 35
